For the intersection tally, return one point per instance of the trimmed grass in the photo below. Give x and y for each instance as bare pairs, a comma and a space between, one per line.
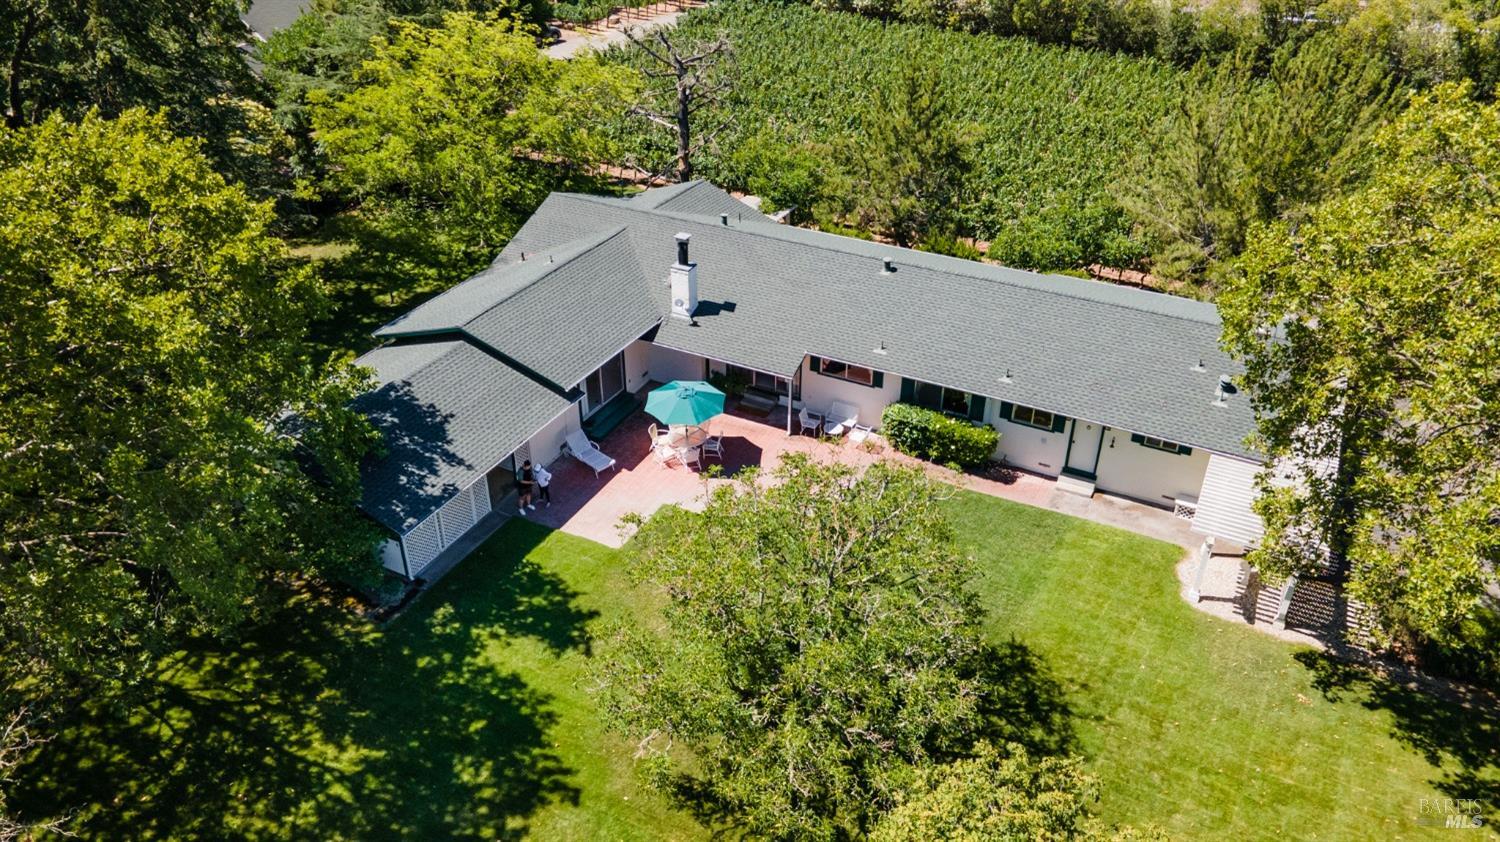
466, 718
469, 718
1204, 728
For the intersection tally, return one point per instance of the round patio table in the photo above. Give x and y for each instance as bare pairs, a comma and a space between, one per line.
682, 437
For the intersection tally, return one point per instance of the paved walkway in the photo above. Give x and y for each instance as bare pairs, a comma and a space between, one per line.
601, 35
591, 507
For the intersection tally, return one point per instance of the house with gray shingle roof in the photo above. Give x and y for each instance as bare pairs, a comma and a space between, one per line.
1103, 386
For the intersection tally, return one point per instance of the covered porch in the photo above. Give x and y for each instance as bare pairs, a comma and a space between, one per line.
591, 506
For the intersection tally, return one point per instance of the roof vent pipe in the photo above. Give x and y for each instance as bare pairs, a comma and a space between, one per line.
723, 219
1226, 387
890, 267
682, 249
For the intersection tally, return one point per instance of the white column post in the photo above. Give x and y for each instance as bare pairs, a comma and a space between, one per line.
1286, 602
1205, 552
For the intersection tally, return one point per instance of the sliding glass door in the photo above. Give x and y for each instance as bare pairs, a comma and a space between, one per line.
604, 384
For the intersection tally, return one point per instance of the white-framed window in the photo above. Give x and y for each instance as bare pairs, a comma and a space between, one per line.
843, 371
942, 399
1032, 417
1161, 444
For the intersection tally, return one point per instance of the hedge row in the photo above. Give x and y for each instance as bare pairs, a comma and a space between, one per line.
931, 435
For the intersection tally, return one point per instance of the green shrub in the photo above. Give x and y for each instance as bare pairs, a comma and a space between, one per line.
939, 243
931, 435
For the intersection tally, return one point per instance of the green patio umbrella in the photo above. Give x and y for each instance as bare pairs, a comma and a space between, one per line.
685, 402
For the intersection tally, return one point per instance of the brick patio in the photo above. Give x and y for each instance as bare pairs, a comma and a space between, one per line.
591, 507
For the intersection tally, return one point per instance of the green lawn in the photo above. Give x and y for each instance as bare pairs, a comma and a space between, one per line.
468, 717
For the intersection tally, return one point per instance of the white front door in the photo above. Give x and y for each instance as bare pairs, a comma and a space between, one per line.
1083, 446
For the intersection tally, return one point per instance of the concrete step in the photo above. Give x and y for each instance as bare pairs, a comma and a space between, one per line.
1075, 485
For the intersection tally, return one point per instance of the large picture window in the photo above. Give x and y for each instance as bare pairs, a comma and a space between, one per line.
843, 371
942, 399
761, 380
1032, 417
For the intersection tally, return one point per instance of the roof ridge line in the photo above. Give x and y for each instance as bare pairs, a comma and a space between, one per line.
553, 267
1041, 287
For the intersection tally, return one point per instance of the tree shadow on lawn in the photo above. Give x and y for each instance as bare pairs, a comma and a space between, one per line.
1458, 732
1027, 703
321, 725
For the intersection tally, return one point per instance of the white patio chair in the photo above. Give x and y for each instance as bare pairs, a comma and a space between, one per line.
841, 416
663, 454
810, 420
588, 453
714, 446
657, 436
689, 457
859, 432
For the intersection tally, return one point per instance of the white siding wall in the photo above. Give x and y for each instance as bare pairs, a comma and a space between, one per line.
665, 365
1147, 474
637, 365
1027, 447
390, 555
819, 391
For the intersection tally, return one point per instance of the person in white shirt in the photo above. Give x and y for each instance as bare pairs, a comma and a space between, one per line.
543, 485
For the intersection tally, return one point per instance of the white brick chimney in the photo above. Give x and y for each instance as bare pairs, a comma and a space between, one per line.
684, 281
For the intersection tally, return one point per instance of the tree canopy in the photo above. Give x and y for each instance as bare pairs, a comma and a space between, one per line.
459, 131
169, 446
820, 641
1369, 335
994, 795
1240, 149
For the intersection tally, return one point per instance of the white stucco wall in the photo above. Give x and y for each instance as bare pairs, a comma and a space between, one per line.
1147, 474
548, 442
390, 555
819, 391
1027, 447
637, 365
665, 365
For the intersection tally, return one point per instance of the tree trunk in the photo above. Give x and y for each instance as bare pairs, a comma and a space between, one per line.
13, 108
684, 131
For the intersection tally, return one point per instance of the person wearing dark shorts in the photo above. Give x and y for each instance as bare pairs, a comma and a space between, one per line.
525, 486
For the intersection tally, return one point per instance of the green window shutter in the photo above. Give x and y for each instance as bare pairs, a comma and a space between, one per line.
1137, 438
976, 408
1006, 408
814, 364
908, 390
1184, 450
1059, 422
877, 379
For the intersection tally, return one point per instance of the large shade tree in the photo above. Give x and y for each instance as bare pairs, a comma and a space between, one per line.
820, 643
1370, 333
1242, 147
459, 131
169, 446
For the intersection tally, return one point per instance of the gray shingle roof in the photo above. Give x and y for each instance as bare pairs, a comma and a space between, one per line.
771, 293
561, 313
447, 409
698, 198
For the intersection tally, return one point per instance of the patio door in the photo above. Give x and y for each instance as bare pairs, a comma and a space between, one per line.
1083, 447
603, 385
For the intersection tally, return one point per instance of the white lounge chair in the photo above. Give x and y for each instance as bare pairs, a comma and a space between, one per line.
588, 453
810, 420
841, 416
859, 432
